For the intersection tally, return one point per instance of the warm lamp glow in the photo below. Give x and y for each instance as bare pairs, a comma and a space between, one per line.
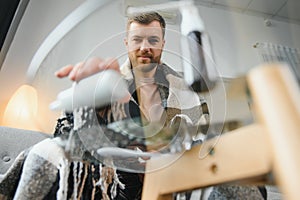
21, 110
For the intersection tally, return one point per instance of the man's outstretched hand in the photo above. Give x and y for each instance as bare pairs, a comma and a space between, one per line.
84, 69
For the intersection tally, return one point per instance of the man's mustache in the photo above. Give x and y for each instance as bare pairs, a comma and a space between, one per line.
149, 55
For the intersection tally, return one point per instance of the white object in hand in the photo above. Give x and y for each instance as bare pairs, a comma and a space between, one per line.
97, 90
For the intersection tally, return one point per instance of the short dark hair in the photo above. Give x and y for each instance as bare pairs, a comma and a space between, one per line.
147, 18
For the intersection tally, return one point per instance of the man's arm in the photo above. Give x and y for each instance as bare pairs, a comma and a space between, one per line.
84, 69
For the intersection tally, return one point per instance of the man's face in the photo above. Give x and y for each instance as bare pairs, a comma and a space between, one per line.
144, 44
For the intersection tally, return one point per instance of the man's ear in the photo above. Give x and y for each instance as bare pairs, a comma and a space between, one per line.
126, 42
163, 44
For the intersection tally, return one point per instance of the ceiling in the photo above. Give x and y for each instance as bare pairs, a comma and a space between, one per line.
286, 10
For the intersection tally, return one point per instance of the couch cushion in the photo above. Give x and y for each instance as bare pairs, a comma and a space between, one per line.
13, 141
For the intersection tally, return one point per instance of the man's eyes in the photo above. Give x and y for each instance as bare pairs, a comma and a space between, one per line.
137, 39
151, 41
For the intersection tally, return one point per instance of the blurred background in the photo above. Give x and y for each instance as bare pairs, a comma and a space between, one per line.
40, 36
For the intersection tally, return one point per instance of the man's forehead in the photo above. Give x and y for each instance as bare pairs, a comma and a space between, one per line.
152, 29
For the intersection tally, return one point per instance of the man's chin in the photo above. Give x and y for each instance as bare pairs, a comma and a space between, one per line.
146, 67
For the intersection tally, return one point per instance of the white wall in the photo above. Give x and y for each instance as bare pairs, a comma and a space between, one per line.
40, 17
234, 34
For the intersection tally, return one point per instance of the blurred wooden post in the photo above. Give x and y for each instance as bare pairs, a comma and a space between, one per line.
237, 155
272, 144
276, 99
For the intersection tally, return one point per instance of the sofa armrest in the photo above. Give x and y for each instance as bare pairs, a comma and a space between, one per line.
13, 141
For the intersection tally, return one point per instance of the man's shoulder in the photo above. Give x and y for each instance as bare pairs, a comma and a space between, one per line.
125, 69
169, 70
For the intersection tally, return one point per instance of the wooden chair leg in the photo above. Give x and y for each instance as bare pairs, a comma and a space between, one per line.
237, 155
276, 100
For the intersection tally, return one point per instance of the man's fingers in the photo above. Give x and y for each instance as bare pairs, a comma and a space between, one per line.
95, 65
83, 70
109, 63
70, 71
64, 71
91, 66
74, 74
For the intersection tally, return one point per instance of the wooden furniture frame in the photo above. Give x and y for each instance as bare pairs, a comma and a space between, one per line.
269, 146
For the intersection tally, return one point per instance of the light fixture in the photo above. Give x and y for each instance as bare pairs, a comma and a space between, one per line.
21, 110
267, 22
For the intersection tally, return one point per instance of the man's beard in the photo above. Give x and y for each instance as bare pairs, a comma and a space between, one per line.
146, 67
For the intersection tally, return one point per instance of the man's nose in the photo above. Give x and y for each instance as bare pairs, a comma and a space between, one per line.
145, 46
